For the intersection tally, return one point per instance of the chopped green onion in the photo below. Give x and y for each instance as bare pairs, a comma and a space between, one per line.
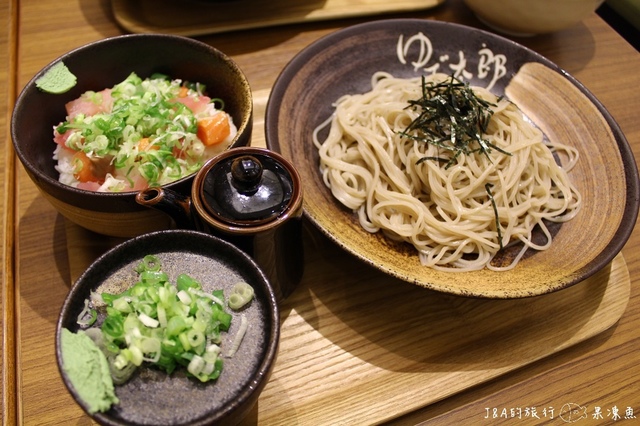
184, 282
184, 297
121, 304
211, 353
148, 321
87, 316
196, 365
208, 296
113, 327
167, 325
244, 325
241, 294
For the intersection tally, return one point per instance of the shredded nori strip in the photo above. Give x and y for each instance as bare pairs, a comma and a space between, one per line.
495, 212
451, 117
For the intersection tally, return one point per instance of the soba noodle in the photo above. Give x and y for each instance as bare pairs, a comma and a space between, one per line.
447, 213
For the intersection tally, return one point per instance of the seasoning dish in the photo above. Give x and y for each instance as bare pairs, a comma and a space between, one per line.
102, 64
555, 102
152, 396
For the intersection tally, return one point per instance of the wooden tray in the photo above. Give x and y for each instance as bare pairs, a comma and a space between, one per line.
359, 347
197, 17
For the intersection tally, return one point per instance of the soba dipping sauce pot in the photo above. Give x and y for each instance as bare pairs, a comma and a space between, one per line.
251, 197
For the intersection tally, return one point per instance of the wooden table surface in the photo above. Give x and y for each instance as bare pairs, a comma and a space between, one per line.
600, 373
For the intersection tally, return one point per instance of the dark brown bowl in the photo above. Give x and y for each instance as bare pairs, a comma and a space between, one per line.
343, 63
152, 397
102, 64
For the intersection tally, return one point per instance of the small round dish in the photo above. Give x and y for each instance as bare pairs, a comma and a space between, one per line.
343, 63
152, 397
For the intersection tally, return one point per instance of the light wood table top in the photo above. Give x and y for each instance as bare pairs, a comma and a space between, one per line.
527, 372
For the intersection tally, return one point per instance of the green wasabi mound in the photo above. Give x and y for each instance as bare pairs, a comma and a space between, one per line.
88, 370
58, 79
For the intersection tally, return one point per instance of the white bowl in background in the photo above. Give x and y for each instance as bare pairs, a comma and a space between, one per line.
529, 17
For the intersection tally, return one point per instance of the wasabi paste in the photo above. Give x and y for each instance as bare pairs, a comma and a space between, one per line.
58, 79
88, 370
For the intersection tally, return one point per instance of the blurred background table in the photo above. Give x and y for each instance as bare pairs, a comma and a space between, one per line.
601, 372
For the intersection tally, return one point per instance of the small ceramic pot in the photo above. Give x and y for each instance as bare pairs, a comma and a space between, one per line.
251, 197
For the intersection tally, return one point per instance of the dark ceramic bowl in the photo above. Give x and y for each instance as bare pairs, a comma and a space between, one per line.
152, 397
102, 64
343, 63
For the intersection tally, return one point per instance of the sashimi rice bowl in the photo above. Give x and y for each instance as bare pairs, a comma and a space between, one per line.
139, 133
110, 118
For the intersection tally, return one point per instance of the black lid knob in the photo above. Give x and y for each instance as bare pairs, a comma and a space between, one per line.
246, 173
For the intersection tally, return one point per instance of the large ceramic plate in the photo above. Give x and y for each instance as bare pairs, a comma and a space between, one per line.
343, 62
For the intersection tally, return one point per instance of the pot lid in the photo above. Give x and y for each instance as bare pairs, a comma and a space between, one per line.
247, 189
